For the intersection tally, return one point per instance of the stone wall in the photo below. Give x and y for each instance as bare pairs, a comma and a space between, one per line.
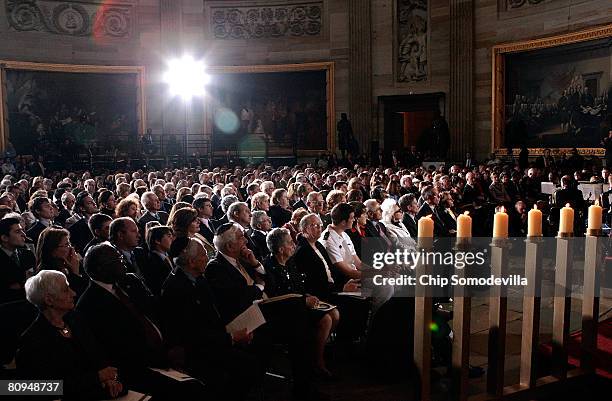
159, 29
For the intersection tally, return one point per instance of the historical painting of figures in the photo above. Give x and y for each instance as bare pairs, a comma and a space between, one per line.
558, 96
63, 113
269, 113
411, 21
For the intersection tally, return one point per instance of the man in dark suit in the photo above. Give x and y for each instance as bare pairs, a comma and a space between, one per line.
409, 205
430, 208
125, 237
118, 309
99, 225
158, 265
15, 260
260, 225
151, 212
80, 234
43, 211
240, 214
374, 228
235, 278
205, 211
198, 333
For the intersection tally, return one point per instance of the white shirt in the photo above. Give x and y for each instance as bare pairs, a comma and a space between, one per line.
339, 247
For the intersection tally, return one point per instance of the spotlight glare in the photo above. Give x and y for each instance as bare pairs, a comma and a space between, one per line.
186, 77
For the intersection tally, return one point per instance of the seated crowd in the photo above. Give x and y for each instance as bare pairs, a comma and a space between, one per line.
129, 271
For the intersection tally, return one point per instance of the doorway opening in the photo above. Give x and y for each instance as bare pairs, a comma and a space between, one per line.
412, 122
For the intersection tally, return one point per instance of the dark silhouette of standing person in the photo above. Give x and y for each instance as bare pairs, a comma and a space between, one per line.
345, 134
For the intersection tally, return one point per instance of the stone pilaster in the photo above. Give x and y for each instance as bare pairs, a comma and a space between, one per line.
173, 112
360, 70
461, 88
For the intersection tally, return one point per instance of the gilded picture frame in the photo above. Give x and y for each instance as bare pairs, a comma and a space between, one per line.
5, 66
499, 56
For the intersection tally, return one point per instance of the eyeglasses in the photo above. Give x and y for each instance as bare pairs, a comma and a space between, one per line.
68, 245
317, 225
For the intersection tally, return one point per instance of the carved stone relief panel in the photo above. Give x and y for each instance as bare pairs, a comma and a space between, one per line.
520, 3
267, 21
412, 24
70, 18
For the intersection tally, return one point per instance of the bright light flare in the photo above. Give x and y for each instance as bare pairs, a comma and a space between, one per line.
186, 77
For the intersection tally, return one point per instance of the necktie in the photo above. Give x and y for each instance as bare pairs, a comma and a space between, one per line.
152, 334
15, 258
169, 263
244, 273
137, 270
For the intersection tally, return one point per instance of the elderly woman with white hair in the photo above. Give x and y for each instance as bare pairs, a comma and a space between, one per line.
57, 346
392, 216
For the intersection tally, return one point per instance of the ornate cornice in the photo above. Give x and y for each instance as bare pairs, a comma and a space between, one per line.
268, 21
110, 20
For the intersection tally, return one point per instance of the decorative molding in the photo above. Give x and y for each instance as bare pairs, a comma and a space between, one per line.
498, 73
411, 40
520, 3
109, 20
270, 21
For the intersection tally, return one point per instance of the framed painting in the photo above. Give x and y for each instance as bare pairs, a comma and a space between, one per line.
51, 109
272, 110
553, 92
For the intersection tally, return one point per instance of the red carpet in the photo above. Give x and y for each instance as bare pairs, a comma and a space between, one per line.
603, 358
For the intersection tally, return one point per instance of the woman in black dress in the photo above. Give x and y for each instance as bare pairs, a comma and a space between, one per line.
282, 277
57, 346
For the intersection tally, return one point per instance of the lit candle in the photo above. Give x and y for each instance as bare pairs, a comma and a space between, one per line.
534, 222
566, 220
464, 225
426, 227
500, 224
595, 213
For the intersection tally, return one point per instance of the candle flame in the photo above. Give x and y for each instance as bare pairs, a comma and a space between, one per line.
535, 206
596, 202
502, 209
467, 213
568, 205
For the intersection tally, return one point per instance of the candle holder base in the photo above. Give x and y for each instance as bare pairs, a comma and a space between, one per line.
594, 232
463, 243
535, 238
500, 242
565, 235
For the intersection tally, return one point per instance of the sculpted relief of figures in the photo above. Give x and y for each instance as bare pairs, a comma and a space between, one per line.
295, 20
412, 40
521, 3
75, 19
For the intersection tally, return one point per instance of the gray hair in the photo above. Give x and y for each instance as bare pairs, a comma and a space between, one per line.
227, 190
65, 197
370, 204
266, 184
231, 235
227, 201
305, 219
277, 238
45, 282
233, 208
257, 217
259, 197
146, 197
190, 252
